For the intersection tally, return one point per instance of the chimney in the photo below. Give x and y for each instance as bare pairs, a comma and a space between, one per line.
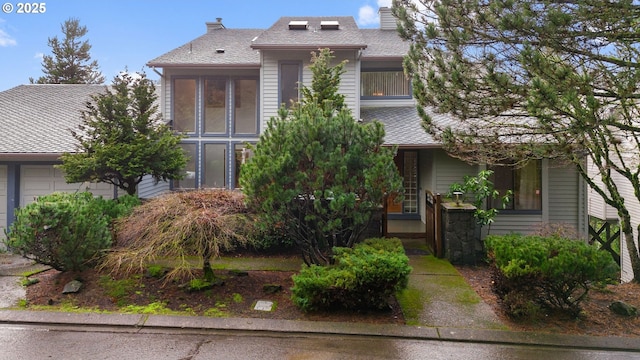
215, 25
387, 21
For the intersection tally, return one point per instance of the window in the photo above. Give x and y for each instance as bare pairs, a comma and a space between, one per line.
184, 105
246, 106
388, 84
410, 182
189, 181
214, 165
525, 183
288, 83
215, 94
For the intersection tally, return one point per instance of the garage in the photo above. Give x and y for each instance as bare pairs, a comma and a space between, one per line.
38, 180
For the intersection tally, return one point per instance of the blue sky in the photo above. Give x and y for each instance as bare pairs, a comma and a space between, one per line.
127, 34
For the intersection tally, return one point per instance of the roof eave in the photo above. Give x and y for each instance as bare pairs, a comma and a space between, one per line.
15, 157
308, 46
191, 65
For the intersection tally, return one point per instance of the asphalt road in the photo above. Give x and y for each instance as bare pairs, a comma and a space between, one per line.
69, 342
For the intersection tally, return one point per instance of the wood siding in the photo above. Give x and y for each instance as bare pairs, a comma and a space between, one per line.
565, 198
449, 170
269, 87
633, 206
148, 188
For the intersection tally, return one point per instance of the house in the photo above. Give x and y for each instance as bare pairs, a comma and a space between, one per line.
600, 210
35, 122
222, 87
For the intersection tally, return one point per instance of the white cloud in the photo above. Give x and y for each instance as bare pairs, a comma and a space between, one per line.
6, 39
38, 56
367, 15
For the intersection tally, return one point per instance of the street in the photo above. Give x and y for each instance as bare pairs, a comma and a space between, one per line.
75, 342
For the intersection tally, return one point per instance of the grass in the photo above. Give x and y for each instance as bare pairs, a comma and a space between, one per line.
118, 290
412, 303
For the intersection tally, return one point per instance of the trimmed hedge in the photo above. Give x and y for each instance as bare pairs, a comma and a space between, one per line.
363, 277
66, 231
555, 273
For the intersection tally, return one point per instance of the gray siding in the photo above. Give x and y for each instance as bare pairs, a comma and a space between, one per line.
349, 85
148, 188
632, 204
449, 170
597, 207
565, 197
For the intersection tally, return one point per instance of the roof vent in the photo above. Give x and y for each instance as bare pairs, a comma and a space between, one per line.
329, 25
298, 25
220, 50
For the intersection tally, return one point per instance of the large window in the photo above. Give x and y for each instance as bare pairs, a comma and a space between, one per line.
215, 156
384, 84
215, 95
246, 106
184, 105
524, 182
189, 181
289, 82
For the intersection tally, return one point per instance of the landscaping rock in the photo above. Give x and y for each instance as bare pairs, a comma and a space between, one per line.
72, 287
271, 288
624, 309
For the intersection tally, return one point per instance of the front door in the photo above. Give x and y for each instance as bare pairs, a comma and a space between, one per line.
407, 163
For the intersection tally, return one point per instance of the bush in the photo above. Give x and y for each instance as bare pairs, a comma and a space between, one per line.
364, 277
180, 225
552, 272
66, 231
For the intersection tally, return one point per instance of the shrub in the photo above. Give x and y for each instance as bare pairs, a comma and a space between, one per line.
363, 277
66, 231
554, 273
180, 225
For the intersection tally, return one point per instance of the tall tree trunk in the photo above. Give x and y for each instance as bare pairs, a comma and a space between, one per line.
632, 249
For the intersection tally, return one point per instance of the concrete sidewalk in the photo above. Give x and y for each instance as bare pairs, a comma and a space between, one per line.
451, 311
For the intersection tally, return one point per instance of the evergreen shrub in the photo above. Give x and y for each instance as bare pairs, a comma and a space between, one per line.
67, 231
363, 277
553, 273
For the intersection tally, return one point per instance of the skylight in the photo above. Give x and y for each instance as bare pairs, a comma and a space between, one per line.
298, 25
329, 25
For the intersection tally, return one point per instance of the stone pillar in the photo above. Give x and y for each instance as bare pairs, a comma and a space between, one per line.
458, 234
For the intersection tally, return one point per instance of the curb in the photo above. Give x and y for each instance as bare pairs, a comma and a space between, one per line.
143, 322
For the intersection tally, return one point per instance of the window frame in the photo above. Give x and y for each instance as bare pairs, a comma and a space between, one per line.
280, 81
514, 170
385, 97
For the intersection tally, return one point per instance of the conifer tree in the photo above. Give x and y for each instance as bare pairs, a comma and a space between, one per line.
531, 79
122, 138
70, 62
317, 173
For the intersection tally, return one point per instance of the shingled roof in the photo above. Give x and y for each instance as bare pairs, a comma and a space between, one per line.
403, 125
219, 47
36, 119
279, 36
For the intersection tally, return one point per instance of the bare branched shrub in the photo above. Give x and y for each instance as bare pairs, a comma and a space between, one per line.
179, 226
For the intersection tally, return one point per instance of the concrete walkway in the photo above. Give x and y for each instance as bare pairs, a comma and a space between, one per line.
451, 311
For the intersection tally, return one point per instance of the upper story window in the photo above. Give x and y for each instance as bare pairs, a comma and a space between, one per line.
377, 84
290, 77
525, 183
215, 106
184, 105
215, 96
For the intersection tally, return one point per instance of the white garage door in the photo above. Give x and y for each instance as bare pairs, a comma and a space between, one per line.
3, 199
38, 180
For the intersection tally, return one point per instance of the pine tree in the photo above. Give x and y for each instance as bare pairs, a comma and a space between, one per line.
532, 79
70, 62
317, 173
122, 138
